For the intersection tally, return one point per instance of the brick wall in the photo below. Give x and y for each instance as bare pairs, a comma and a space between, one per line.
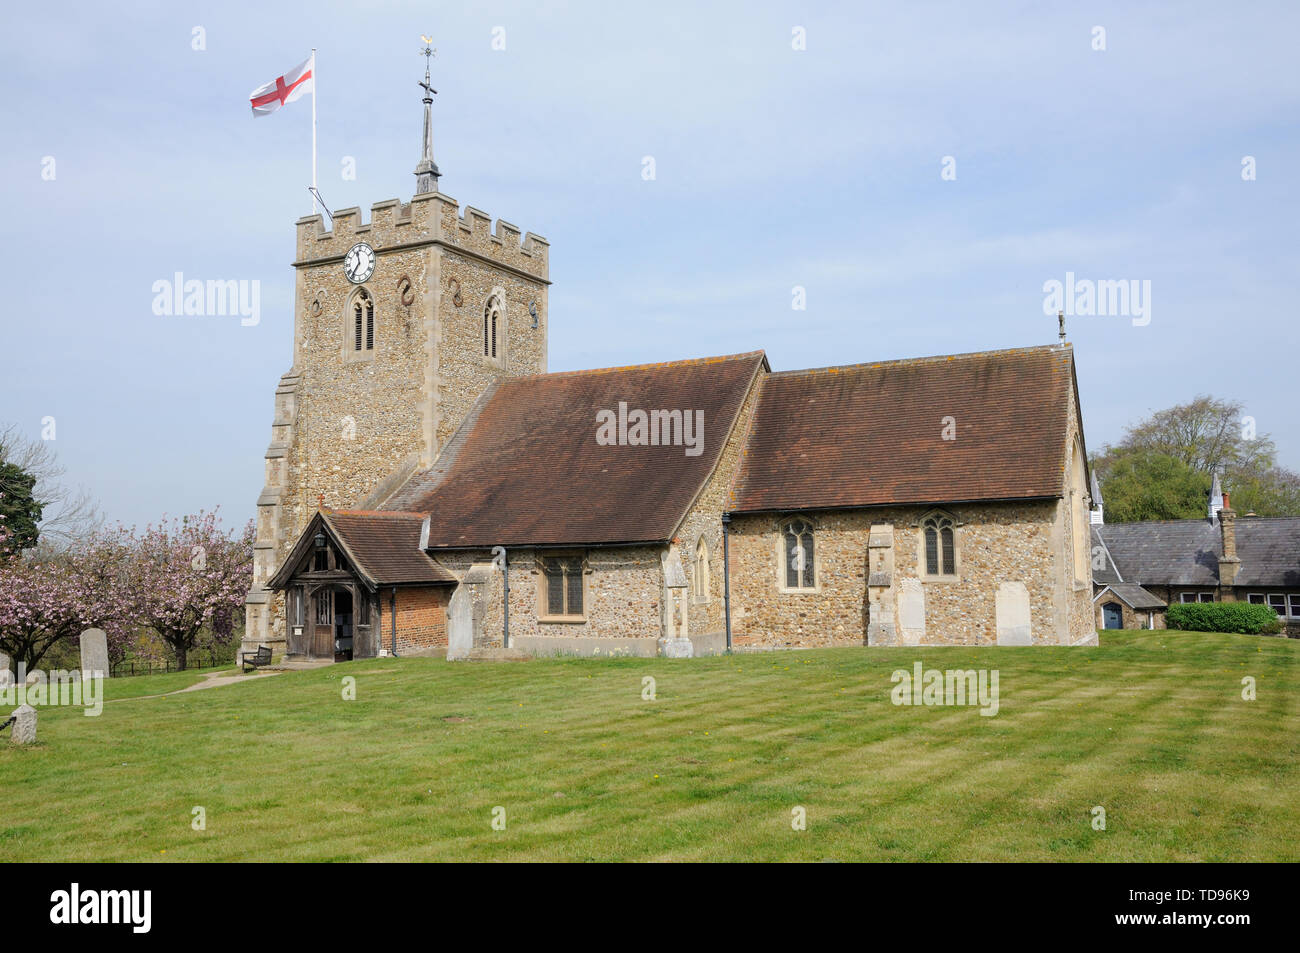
421, 619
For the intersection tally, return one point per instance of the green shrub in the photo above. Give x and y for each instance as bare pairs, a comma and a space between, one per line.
1223, 617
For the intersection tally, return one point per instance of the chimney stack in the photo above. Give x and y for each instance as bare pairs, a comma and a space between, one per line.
1229, 564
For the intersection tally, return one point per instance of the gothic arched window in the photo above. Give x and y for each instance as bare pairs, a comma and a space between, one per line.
800, 554
940, 546
493, 322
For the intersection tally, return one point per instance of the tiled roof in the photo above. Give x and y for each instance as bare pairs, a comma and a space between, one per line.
871, 434
527, 468
386, 546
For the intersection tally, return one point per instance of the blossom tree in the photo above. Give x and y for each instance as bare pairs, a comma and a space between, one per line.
44, 601
187, 580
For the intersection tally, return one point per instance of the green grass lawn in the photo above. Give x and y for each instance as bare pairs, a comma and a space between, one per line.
1150, 726
136, 686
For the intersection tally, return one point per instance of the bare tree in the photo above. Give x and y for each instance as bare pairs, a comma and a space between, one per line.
1208, 434
68, 513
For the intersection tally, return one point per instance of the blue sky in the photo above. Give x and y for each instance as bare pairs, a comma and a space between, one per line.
775, 168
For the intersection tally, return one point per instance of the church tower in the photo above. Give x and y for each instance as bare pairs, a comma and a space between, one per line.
400, 323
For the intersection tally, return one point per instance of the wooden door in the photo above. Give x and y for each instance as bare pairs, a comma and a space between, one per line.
1112, 615
322, 641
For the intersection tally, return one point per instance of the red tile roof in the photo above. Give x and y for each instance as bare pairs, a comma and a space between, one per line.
871, 434
527, 469
384, 548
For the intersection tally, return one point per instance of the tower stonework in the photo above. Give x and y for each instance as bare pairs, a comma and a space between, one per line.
375, 393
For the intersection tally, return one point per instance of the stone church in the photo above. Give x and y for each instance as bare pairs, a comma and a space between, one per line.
431, 487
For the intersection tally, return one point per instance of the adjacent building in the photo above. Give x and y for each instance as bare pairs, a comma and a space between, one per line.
1142, 568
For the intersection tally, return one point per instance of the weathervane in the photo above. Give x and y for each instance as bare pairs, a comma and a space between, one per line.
426, 172
429, 53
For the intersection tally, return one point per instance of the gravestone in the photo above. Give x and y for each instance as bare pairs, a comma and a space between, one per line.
1012, 613
23, 731
94, 653
6, 676
911, 611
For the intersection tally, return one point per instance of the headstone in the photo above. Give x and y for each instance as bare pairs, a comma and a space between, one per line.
911, 611
94, 653
23, 731
1012, 613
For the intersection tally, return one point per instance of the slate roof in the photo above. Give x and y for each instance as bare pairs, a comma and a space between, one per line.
1164, 552
526, 469
871, 434
1136, 597
1186, 552
1269, 550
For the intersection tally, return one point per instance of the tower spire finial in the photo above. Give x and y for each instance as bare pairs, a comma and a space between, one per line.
426, 171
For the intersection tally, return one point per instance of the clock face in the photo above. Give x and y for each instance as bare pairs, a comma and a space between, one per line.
359, 264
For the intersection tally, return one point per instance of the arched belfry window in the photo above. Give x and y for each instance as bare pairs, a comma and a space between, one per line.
493, 328
800, 555
940, 545
361, 324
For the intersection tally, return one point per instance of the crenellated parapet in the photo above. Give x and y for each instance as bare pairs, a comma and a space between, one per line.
428, 219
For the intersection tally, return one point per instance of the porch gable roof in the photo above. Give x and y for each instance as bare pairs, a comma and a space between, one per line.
383, 548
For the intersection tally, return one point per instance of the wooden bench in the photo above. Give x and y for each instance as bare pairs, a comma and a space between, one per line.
255, 659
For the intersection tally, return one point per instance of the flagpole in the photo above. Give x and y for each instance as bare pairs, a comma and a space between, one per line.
314, 82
